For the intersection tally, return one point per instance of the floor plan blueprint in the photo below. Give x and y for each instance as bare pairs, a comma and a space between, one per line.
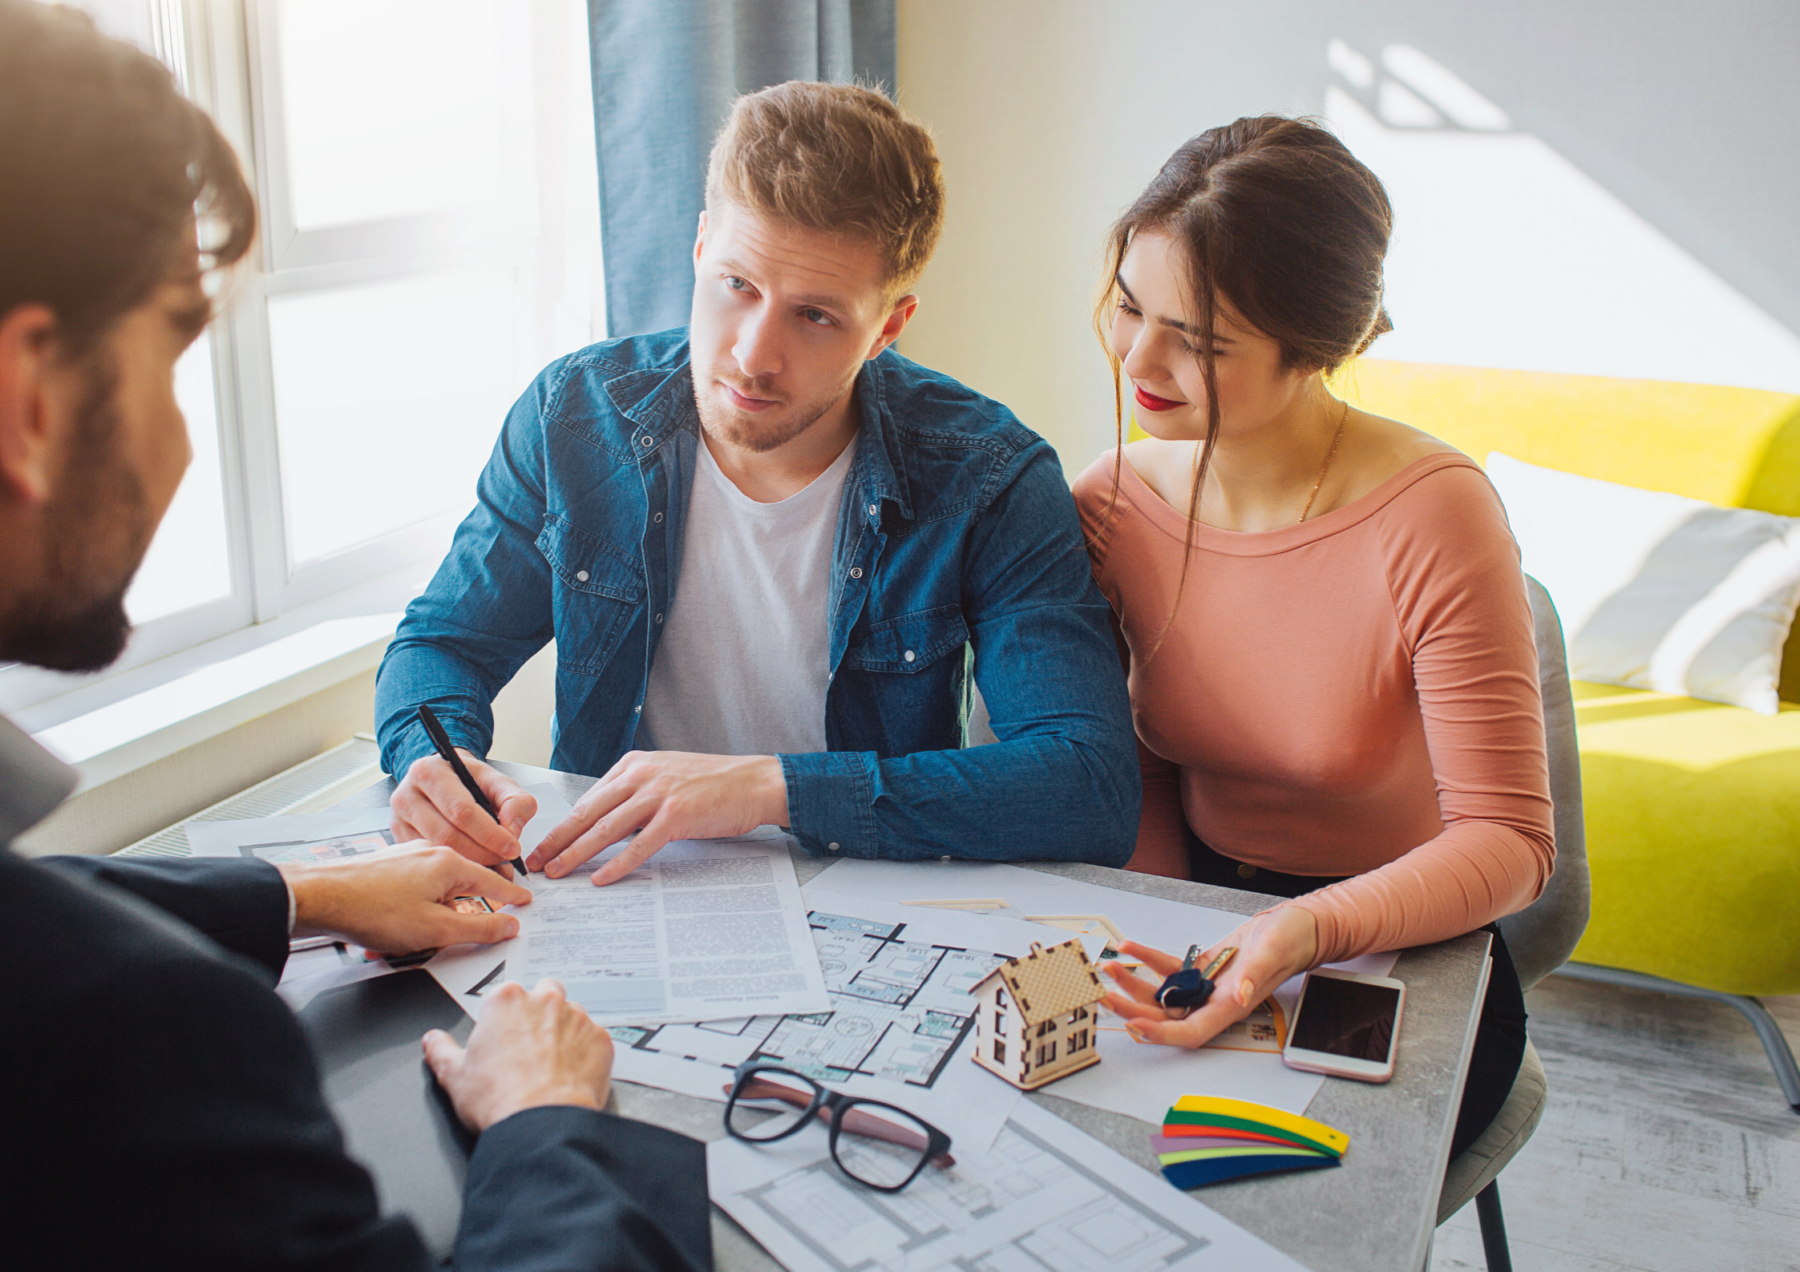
1044, 1198
899, 1027
900, 1006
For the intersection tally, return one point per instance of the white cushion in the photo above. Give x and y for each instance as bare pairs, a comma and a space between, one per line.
1657, 591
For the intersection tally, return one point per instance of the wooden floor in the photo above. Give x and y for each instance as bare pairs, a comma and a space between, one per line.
1666, 1145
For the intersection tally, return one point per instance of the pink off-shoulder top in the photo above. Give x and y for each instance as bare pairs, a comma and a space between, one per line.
1353, 695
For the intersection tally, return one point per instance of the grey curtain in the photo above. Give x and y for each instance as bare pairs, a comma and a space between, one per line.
665, 74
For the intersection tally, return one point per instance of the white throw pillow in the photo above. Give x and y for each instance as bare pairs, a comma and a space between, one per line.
1657, 591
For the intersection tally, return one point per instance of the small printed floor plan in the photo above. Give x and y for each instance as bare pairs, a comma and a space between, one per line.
1027, 1206
899, 1009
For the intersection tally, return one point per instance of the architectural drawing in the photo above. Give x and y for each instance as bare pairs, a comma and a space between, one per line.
1029, 1203
898, 1010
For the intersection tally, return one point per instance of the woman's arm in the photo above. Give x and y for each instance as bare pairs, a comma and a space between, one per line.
1459, 597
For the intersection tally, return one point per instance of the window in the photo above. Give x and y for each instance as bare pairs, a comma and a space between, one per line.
1046, 1053
1078, 1041
999, 1022
1049, 1026
999, 1052
429, 241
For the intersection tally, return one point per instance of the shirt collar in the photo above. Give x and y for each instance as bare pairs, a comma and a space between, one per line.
659, 402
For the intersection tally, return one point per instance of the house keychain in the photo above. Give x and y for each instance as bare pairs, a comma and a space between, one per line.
1187, 989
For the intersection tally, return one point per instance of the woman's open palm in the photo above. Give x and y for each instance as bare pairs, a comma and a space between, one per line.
1271, 947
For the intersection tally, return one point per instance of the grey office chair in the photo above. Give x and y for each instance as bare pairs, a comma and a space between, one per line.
1540, 938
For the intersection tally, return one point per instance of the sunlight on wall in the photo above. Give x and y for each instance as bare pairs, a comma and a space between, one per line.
1506, 255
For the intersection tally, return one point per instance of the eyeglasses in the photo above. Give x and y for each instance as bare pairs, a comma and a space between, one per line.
876, 1144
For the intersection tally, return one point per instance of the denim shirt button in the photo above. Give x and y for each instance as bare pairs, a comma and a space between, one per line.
856, 571
874, 509
639, 709
581, 576
659, 618
834, 846
657, 517
646, 441
910, 655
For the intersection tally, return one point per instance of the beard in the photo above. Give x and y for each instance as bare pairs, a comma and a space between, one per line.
96, 529
757, 433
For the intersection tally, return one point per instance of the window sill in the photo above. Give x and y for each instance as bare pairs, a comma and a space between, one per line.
158, 722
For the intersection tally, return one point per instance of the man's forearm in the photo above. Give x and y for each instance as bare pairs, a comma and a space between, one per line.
560, 1187
241, 904
1034, 798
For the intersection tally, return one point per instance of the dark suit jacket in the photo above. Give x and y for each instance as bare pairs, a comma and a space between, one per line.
163, 1110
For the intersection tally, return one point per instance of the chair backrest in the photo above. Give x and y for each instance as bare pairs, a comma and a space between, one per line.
1543, 935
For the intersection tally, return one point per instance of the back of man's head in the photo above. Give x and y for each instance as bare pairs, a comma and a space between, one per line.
102, 166
835, 158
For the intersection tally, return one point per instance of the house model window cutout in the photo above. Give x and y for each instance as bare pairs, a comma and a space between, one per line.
1035, 1016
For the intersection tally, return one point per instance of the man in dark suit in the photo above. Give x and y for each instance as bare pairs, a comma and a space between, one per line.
163, 1109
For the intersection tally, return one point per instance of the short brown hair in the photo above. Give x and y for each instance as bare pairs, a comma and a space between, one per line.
103, 169
837, 158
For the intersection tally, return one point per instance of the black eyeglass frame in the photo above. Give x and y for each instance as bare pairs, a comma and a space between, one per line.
833, 1106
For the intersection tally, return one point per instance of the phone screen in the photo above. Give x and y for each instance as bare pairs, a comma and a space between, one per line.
1346, 1018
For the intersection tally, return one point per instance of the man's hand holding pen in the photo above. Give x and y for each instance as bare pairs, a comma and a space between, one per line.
431, 804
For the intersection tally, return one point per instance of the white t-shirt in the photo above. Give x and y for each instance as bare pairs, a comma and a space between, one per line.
743, 662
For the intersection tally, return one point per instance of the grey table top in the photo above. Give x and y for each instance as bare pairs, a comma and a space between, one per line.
1376, 1213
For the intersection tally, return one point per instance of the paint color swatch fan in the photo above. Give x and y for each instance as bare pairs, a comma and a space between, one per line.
1207, 1140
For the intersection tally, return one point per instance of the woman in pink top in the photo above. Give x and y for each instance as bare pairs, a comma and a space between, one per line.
1330, 647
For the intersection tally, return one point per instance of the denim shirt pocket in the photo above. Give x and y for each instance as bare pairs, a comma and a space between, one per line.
598, 594
909, 644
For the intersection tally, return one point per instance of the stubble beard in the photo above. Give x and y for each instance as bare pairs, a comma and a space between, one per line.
744, 431
97, 528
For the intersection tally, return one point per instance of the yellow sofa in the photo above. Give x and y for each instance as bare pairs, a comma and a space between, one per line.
1693, 808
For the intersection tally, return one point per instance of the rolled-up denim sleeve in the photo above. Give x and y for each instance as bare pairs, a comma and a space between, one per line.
1062, 782
486, 610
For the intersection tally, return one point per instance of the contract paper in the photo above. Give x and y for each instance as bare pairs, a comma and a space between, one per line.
899, 1026
702, 931
1044, 1196
1137, 1079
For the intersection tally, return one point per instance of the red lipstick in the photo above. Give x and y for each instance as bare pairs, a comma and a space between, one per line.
1150, 402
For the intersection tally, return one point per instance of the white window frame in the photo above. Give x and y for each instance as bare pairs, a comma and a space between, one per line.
225, 54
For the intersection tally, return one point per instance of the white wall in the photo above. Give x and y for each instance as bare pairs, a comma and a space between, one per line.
1645, 151
1050, 115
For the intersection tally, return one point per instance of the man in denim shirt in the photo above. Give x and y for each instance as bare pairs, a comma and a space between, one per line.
770, 551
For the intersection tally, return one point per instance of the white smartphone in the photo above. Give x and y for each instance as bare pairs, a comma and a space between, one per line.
1347, 1025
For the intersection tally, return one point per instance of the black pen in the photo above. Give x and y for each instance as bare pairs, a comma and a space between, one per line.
441, 741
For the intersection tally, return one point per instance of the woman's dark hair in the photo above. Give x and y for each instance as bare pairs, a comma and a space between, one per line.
1276, 217
110, 180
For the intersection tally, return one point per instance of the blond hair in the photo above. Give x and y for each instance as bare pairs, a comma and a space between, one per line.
836, 158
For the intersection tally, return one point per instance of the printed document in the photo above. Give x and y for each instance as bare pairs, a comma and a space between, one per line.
1045, 1196
704, 930
1138, 1079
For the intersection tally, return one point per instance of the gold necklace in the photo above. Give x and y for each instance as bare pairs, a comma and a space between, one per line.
1326, 466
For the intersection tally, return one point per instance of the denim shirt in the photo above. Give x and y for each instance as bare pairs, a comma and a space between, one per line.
957, 550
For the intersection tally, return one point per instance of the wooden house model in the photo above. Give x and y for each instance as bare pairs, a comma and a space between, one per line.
1035, 1016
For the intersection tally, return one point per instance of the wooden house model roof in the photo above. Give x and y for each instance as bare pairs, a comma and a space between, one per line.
1049, 982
